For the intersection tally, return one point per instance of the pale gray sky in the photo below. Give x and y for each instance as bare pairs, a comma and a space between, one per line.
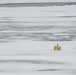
22, 1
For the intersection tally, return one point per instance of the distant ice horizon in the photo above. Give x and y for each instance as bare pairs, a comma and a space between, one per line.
32, 1
38, 21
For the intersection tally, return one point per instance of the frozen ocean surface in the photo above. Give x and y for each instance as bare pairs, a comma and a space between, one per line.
28, 33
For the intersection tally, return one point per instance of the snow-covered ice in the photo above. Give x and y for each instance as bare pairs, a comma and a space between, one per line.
37, 58
29, 33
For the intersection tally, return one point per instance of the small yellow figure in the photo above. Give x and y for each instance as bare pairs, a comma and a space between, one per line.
57, 47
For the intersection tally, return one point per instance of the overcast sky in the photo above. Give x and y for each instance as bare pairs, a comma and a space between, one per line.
22, 1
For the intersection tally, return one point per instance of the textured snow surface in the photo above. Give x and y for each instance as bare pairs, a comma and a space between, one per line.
37, 58
29, 29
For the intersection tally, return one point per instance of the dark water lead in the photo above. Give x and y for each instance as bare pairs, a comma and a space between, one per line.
37, 4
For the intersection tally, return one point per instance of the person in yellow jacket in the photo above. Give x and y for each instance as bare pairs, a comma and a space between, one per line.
57, 47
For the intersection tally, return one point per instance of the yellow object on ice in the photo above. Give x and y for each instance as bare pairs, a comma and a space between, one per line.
57, 47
